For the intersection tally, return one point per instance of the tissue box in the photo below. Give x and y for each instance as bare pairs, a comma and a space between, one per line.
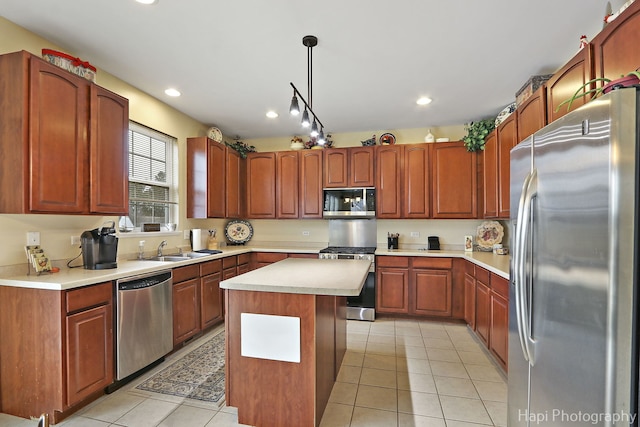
70, 63
530, 86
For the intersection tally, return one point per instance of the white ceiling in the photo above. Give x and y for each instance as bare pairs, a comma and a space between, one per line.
233, 59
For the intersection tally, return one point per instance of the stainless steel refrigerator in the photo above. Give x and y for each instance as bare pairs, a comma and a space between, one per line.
573, 291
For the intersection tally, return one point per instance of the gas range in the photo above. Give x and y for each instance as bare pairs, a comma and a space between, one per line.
348, 252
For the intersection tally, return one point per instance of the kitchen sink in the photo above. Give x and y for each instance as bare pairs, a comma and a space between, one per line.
177, 257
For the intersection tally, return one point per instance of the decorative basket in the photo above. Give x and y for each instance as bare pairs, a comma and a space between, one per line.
531, 86
70, 63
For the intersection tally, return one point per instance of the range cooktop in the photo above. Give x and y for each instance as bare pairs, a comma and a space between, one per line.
348, 250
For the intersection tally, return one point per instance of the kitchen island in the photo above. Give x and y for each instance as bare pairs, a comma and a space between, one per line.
286, 337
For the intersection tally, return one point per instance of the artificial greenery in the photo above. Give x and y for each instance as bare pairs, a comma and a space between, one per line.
476, 133
241, 147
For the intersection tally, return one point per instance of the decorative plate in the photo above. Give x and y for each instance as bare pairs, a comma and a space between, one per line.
506, 112
387, 139
215, 134
489, 234
238, 231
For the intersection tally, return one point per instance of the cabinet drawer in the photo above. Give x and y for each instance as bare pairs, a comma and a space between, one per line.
187, 272
428, 262
392, 261
228, 273
229, 262
482, 275
270, 256
470, 268
500, 285
210, 267
244, 258
90, 296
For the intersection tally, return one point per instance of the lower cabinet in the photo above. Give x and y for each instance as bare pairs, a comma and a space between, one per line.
499, 334
470, 295
414, 285
210, 295
483, 311
186, 303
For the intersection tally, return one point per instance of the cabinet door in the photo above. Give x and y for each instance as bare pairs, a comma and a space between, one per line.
392, 290
532, 114
566, 81
454, 181
388, 179
361, 167
211, 300
58, 126
615, 48
197, 178
186, 310
507, 139
417, 189
431, 292
235, 175
89, 352
499, 334
483, 311
470, 300
216, 180
336, 168
287, 184
109, 154
490, 175
261, 185
311, 184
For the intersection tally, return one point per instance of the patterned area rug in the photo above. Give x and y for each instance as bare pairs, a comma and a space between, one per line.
197, 375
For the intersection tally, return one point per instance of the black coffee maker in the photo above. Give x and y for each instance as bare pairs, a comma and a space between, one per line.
100, 247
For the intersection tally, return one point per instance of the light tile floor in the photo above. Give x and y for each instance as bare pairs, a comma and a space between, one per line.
401, 373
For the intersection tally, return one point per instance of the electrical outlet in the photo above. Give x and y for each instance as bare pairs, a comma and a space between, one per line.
33, 238
185, 234
305, 233
75, 240
415, 234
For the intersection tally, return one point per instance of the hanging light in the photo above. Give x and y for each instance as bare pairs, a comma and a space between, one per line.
305, 118
309, 42
321, 139
294, 109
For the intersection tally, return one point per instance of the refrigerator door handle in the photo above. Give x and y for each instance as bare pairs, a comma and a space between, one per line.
518, 266
523, 286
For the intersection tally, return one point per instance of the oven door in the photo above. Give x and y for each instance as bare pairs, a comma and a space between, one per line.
362, 307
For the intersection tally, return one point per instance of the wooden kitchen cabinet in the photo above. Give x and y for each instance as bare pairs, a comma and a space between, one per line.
389, 160
392, 284
57, 358
52, 117
416, 200
287, 184
496, 159
470, 295
483, 311
490, 175
186, 303
453, 181
349, 167
499, 309
262, 259
210, 293
235, 184
311, 197
229, 267
567, 80
532, 113
261, 185
431, 293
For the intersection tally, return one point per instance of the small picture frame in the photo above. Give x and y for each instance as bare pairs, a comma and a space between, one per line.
468, 243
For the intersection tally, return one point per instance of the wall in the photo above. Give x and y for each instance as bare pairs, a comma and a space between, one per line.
56, 230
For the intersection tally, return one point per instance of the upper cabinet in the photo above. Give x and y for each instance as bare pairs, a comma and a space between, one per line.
532, 113
287, 184
615, 48
453, 181
349, 167
215, 180
311, 183
63, 141
261, 185
567, 81
389, 160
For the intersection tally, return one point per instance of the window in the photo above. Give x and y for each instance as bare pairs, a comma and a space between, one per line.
152, 188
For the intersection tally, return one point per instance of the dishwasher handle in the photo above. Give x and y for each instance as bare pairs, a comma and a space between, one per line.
131, 284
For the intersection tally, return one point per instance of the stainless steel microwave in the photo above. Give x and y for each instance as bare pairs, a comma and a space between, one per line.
349, 203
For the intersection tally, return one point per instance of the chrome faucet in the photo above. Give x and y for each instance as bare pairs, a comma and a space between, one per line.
162, 245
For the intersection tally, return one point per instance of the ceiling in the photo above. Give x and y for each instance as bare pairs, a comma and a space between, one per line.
233, 60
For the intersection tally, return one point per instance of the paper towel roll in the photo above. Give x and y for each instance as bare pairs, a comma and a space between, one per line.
195, 235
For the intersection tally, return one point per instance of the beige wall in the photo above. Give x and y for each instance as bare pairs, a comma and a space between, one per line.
56, 230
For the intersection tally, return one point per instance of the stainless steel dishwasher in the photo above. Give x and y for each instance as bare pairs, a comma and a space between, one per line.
144, 316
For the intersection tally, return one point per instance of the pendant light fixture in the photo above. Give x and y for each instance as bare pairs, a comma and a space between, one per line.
317, 128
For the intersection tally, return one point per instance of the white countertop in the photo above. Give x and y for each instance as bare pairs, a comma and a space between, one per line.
338, 277
69, 278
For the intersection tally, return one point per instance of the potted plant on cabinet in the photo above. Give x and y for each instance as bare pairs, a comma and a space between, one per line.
476, 133
627, 80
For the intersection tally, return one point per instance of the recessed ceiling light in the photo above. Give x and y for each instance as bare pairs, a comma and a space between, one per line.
147, 1
272, 114
424, 100
172, 92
